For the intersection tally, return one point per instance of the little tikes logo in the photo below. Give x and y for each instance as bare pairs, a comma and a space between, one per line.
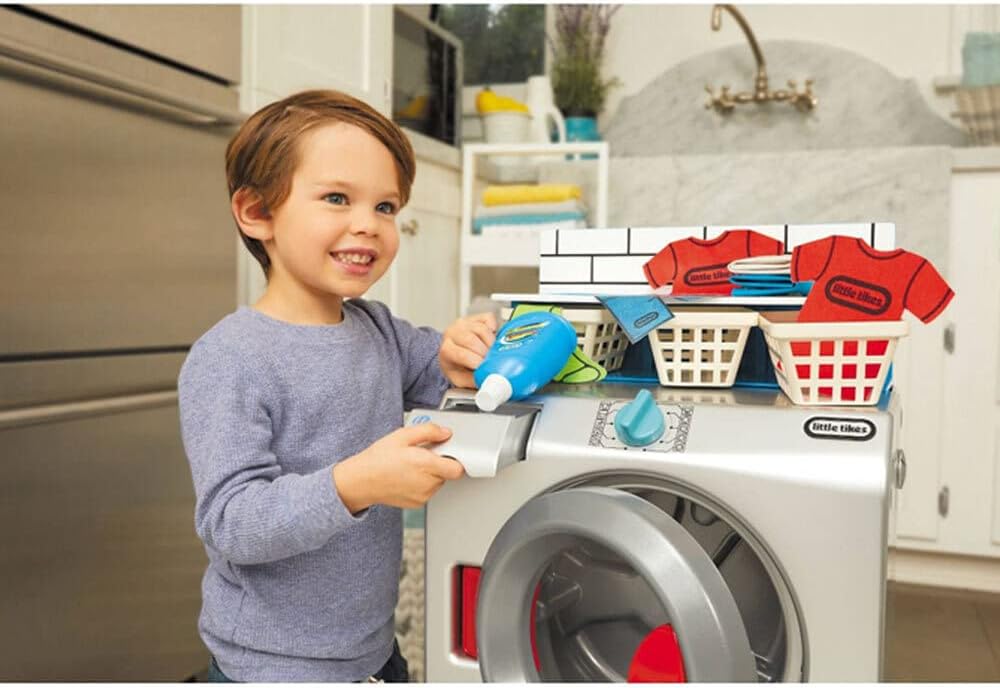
833, 428
516, 335
857, 295
707, 275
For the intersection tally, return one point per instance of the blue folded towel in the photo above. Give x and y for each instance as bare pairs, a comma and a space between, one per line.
525, 219
797, 289
760, 278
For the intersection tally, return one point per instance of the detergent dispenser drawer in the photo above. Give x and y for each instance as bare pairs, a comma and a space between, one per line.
482, 442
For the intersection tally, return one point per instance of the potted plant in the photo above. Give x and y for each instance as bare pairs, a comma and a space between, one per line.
579, 88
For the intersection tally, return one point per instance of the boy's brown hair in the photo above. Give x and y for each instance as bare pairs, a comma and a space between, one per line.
264, 153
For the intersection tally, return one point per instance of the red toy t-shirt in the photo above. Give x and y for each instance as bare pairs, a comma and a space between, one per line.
856, 282
699, 266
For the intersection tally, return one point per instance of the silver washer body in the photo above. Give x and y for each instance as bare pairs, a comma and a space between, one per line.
809, 504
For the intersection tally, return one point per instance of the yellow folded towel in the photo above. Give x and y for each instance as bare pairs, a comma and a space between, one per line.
530, 193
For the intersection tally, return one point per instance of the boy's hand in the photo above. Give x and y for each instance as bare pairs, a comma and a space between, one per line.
396, 470
464, 346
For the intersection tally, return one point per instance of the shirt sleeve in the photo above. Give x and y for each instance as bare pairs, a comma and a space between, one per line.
424, 384
246, 508
662, 268
763, 245
927, 294
810, 260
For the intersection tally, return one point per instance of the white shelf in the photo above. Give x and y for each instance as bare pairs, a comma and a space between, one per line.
513, 247
664, 294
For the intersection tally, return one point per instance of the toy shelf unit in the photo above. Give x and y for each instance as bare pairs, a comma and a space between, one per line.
496, 163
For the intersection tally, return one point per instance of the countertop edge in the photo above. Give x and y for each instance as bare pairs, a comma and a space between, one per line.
975, 159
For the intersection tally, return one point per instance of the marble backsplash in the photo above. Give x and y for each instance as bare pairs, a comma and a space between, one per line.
908, 186
861, 105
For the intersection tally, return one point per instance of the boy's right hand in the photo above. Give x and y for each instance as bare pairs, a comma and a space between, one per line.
396, 470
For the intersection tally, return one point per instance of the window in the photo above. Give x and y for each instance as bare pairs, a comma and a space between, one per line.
501, 43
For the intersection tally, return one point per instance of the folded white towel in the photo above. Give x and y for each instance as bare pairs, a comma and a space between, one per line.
570, 206
762, 265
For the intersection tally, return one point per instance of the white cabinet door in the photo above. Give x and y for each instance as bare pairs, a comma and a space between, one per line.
289, 48
970, 463
919, 379
424, 277
297, 47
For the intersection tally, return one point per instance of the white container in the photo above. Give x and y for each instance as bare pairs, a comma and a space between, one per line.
830, 364
701, 347
506, 127
543, 110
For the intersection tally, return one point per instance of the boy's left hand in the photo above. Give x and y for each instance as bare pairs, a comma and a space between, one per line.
464, 346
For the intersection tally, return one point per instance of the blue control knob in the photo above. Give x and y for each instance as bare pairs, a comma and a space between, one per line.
640, 422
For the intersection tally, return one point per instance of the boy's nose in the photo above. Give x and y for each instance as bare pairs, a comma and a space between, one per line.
364, 222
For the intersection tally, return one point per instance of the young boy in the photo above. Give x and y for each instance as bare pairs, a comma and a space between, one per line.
291, 410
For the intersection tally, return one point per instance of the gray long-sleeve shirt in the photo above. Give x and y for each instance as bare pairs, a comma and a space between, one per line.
297, 588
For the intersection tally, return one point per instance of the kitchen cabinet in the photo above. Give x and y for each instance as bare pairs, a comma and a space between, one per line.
423, 281
950, 504
289, 48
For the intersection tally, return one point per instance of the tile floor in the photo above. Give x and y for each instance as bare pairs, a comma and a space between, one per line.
936, 634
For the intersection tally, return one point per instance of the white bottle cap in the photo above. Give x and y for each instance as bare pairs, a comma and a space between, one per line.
494, 391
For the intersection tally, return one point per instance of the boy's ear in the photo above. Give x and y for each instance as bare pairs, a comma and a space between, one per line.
251, 214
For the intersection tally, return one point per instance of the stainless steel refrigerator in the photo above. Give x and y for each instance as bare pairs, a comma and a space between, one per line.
117, 252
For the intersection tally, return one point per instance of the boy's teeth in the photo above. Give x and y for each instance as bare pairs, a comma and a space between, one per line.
357, 258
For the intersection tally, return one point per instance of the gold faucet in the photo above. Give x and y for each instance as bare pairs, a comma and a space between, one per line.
725, 102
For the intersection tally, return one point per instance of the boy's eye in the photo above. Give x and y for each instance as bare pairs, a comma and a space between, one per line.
386, 207
336, 198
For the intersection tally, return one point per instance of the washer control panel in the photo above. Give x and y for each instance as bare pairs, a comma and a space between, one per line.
676, 425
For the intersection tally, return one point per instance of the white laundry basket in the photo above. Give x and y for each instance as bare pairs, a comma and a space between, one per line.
598, 335
835, 363
701, 347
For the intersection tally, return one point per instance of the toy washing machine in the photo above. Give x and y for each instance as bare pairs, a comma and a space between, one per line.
745, 541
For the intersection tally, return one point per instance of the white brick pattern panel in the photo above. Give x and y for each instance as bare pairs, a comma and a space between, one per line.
591, 243
565, 269
609, 261
627, 269
649, 240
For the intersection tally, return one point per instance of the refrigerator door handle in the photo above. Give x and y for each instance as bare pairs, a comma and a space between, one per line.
55, 68
53, 413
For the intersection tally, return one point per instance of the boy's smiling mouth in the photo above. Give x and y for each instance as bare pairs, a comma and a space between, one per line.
357, 261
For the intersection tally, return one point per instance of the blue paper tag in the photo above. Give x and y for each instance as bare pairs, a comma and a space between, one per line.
637, 315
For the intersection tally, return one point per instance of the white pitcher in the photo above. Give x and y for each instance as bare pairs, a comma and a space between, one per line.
540, 102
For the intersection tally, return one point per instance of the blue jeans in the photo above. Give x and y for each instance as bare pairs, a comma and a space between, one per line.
395, 670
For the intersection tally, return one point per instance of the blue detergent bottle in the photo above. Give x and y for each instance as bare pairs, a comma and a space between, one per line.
528, 351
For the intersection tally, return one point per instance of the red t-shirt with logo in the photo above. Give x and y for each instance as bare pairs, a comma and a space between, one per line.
699, 266
853, 281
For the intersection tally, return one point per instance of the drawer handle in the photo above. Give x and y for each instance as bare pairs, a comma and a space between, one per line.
66, 67
410, 227
54, 413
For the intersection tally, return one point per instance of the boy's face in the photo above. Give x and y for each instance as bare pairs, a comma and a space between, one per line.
335, 234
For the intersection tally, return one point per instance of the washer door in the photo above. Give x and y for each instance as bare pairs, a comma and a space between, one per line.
578, 580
